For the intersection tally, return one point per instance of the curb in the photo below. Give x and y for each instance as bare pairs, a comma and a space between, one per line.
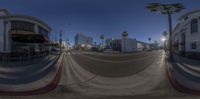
176, 85
51, 86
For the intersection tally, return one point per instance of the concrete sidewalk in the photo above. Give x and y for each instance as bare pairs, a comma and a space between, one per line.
184, 74
42, 85
4, 63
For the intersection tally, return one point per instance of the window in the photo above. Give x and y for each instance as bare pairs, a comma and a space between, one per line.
194, 45
194, 26
21, 25
186, 18
43, 31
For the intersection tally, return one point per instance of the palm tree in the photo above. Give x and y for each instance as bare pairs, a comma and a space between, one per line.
102, 37
167, 9
149, 39
124, 35
164, 34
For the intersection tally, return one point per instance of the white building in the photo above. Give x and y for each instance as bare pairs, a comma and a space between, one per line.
125, 44
186, 34
128, 45
22, 35
142, 46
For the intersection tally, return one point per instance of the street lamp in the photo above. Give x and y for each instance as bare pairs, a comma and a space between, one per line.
167, 9
61, 41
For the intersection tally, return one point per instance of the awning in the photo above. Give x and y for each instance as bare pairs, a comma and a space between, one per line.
27, 37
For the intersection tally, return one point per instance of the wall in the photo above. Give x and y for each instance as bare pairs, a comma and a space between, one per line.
1, 35
140, 47
194, 36
129, 45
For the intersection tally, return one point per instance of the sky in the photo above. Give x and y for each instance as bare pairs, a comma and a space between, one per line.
96, 17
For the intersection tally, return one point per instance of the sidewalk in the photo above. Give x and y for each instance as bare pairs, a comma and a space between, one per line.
6, 63
184, 74
25, 81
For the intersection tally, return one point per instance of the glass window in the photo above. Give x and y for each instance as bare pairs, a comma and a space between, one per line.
194, 45
21, 25
194, 26
42, 31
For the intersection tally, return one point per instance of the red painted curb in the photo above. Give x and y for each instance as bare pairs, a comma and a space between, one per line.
51, 86
179, 87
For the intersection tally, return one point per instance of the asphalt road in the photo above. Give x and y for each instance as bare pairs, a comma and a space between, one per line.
115, 65
88, 75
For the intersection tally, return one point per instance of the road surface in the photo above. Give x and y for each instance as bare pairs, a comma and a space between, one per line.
96, 74
89, 75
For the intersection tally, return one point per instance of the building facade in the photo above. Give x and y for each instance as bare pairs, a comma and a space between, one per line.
142, 46
22, 35
129, 45
83, 40
116, 45
186, 35
126, 45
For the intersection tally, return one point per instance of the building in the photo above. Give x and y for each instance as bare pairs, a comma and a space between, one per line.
116, 45
186, 35
142, 46
82, 40
22, 35
128, 45
122, 44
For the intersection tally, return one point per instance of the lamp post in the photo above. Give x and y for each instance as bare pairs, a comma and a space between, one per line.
164, 39
60, 41
167, 9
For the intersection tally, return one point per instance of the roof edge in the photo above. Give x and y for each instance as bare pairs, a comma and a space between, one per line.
188, 13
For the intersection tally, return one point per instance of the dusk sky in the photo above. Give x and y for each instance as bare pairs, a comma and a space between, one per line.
96, 17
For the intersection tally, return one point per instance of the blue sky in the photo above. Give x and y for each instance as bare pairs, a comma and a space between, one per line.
96, 17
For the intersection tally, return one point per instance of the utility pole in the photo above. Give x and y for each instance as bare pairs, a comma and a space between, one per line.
61, 41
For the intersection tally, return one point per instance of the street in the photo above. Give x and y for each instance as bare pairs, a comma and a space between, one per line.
82, 77
99, 49
145, 76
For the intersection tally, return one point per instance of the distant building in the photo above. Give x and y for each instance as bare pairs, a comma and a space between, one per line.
128, 45
142, 46
22, 35
83, 40
186, 35
109, 43
116, 45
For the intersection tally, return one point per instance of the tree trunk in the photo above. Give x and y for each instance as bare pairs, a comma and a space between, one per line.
170, 36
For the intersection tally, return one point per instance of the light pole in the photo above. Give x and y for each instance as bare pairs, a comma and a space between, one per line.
167, 9
60, 41
149, 43
164, 39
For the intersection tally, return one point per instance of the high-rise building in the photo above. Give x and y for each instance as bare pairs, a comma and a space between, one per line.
83, 40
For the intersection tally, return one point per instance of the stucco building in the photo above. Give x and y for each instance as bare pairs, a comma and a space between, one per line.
22, 36
186, 35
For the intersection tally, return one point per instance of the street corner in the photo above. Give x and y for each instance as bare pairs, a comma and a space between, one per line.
179, 86
40, 87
